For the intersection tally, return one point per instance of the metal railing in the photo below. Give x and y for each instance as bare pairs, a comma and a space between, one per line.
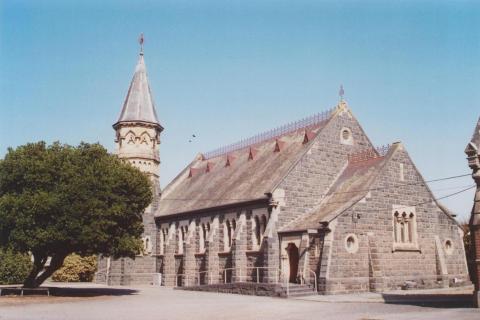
226, 275
303, 280
274, 133
258, 275
208, 275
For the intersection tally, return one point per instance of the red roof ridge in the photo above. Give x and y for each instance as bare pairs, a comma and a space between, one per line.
193, 171
278, 145
308, 136
210, 166
252, 152
230, 160
368, 154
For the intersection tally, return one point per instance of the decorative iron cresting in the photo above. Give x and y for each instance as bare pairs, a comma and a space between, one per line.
305, 123
368, 154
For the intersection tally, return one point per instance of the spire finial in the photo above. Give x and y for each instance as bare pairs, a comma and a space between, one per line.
140, 41
341, 92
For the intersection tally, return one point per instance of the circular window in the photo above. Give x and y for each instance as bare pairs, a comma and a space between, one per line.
448, 246
346, 136
351, 243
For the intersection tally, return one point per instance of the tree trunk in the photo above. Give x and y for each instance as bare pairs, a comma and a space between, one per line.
34, 280
38, 263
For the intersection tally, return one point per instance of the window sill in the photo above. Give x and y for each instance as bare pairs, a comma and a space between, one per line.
412, 247
225, 253
200, 254
178, 255
253, 252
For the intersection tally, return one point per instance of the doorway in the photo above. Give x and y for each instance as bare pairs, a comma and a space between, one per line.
293, 259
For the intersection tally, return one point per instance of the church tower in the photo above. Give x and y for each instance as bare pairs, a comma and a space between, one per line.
137, 140
138, 129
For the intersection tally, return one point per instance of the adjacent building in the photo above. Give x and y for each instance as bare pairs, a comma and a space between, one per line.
473, 157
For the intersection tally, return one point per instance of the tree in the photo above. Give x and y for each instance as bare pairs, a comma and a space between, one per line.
56, 200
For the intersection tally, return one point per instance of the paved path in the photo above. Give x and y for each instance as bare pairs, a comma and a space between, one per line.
163, 303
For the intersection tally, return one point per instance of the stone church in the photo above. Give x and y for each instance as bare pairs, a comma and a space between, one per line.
312, 202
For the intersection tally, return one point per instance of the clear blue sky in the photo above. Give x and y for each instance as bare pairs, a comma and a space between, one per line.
226, 70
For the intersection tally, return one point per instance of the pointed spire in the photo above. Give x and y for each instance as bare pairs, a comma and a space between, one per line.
139, 105
476, 134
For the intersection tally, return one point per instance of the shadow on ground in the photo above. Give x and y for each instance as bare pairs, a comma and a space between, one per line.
89, 292
454, 300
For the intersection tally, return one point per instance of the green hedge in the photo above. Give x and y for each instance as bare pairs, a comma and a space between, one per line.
14, 267
76, 269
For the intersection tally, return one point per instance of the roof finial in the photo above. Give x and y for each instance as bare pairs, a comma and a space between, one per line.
341, 92
140, 41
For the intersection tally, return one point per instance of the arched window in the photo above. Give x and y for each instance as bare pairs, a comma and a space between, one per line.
163, 240
257, 232
203, 237
227, 235
130, 137
181, 239
404, 228
264, 225
147, 245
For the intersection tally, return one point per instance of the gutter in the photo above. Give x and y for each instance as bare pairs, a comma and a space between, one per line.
182, 214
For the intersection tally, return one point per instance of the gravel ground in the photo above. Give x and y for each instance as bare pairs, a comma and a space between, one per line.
164, 303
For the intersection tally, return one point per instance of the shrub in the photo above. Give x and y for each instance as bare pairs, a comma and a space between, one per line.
14, 267
76, 269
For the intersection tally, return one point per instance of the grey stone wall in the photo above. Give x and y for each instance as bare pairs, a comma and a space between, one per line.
377, 266
309, 180
126, 271
242, 256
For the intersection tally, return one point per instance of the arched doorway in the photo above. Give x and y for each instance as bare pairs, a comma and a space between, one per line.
293, 259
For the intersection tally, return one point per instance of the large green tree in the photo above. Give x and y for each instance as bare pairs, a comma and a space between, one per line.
58, 199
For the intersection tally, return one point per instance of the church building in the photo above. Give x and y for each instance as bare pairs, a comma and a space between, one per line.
310, 204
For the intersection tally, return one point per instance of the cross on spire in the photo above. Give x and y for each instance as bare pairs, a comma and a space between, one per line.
341, 92
140, 41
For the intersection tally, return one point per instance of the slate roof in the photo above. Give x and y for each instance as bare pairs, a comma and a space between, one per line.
350, 187
242, 175
139, 104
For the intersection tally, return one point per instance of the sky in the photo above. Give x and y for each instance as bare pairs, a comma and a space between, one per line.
226, 70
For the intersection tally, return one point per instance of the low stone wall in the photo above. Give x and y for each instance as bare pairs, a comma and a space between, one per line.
246, 288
